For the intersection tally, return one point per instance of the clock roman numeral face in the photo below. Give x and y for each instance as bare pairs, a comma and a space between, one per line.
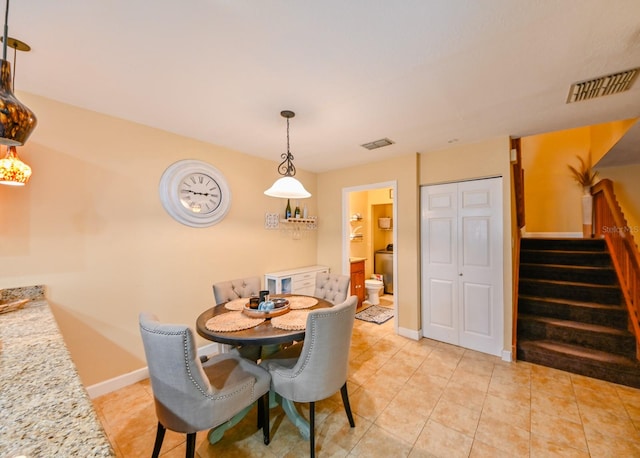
200, 193
194, 193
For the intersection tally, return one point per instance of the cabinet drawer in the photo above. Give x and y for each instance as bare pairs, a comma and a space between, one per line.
307, 283
304, 277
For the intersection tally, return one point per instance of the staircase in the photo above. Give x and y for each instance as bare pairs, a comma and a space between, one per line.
570, 311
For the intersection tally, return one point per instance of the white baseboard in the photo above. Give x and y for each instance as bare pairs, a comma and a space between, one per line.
553, 235
507, 356
409, 333
116, 383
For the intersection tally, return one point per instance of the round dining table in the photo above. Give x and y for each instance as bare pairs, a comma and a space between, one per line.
263, 335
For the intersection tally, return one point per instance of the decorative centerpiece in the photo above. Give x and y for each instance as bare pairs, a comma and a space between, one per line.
267, 309
585, 176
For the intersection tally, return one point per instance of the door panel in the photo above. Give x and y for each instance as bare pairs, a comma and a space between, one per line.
443, 318
441, 231
477, 309
475, 246
440, 285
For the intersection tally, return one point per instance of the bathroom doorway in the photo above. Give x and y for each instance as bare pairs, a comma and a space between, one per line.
369, 234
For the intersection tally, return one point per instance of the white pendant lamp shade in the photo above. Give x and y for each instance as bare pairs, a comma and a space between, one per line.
288, 188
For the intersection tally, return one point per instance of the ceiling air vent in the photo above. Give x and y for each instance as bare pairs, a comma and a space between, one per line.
378, 143
605, 85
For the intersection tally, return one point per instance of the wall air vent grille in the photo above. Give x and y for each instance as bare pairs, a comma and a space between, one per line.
378, 144
605, 85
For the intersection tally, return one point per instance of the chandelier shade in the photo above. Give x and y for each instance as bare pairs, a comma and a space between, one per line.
13, 172
287, 187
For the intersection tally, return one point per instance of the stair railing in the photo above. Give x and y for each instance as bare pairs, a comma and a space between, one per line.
609, 223
517, 183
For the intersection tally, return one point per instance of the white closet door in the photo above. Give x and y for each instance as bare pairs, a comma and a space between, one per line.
439, 236
462, 300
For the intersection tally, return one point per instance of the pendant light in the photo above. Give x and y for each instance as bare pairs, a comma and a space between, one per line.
13, 171
16, 120
287, 187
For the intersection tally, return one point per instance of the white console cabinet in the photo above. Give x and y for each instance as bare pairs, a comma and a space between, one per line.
293, 281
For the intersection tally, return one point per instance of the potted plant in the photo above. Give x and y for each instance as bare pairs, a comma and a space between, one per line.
585, 176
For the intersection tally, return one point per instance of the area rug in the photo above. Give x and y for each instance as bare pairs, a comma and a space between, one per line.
375, 314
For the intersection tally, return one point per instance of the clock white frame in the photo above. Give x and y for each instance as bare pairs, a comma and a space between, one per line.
169, 190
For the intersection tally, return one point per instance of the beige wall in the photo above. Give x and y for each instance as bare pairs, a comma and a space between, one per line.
90, 226
485, 159
330, 232
552, 197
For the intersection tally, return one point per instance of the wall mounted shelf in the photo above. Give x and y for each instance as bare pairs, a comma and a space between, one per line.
296, 226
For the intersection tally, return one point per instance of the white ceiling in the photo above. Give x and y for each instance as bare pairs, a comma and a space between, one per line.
423, 73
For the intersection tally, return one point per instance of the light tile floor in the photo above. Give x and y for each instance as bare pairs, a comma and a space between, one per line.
418, 399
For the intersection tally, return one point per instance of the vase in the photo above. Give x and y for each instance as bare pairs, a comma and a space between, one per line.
587, 213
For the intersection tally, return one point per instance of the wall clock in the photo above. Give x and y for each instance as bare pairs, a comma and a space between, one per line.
195, 193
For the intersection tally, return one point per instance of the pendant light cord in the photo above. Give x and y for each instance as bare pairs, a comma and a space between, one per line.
6, 32
13, 78
286, 167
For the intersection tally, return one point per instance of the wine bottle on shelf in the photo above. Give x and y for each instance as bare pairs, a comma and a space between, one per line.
305, 215
287, 212
297, 210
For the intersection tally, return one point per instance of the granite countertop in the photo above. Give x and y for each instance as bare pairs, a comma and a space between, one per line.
352, 260
45, 410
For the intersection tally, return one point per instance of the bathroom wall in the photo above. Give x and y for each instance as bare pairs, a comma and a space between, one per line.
371, 205
381, 237
360, 244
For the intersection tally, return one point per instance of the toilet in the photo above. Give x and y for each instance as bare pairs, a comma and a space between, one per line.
373, 288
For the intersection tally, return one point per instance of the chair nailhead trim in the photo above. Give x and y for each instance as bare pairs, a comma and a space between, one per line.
185, 339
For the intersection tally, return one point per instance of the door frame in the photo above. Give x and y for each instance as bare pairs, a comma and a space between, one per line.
346, 230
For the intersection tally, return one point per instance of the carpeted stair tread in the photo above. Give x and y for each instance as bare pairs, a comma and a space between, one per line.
579, 352
564, 266
563, 243
577, 284
602, 275
608, 294
594, 305
575, 325
566, 257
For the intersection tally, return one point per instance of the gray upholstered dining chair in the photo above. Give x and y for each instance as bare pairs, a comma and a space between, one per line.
316, 368
225, 291
229, 290
332, 287
191, 396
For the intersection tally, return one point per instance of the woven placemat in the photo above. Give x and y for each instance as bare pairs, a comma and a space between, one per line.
301, 302
236, 304
232, 321
295, 320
